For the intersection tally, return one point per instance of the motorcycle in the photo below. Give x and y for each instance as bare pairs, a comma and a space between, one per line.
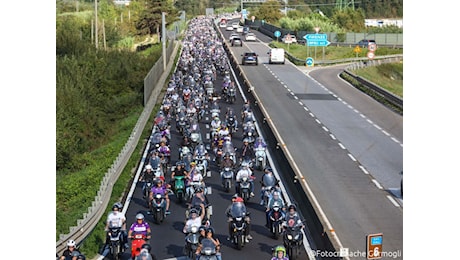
238, 225
146, 191
158, 207
231, 124
261, 157
293, 240
116, 247
208, 250
227, 178
275, 220
179, 188
136, 244
191, 242
231, 95
268, 184
245, 189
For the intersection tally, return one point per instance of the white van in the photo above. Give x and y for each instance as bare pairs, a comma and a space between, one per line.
276, 55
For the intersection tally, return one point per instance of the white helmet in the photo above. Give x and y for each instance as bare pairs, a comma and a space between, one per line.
148, 167
140, 216
71, 243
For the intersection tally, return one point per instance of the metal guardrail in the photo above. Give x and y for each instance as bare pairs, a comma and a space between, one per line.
395, 102
99, 205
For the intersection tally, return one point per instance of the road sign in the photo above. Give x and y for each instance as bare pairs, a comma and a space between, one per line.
310, 62
316, 37
318, 43
372, 46
371, 55
374, 246
277, 33
287, 38
357, 49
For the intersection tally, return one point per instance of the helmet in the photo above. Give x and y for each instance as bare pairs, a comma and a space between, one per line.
193, 210
235, 196
193, 163
148, 167
292, 206
268, 168
210, 229
227, 154
81, 257
276, 193
245, 140
140, 216
116, 206
202, 228
147, 246
199, 189
75, 253
280, 248
71, 243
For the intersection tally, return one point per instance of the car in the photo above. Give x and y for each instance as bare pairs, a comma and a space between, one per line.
245, 30
364, 43
236, 41
250, 37
293, 38
229, 28
235, 25
223, 25
232, 36
250, 57
239, 29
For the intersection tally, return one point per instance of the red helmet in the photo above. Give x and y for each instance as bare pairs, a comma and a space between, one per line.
239, 199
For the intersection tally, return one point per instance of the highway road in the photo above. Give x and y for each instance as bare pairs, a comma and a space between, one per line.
349, 150
346, 147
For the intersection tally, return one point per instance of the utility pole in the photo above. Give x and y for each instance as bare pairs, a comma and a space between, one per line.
95, 24
163, 38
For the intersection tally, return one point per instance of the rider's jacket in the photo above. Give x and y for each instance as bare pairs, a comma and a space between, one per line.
116, 219
156, 189
140, 228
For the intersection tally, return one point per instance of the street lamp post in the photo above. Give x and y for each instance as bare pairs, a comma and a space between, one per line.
163, 38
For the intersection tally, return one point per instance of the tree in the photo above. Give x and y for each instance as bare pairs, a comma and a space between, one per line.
269, 11
149, 22
349, 19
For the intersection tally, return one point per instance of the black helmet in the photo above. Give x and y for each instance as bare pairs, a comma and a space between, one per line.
81, 257
202, 228
268, 168
193, 210
235, 196
292, 206
210, 229
199, 189
147, 246
116, 206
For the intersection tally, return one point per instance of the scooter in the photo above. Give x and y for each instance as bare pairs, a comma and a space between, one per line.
136, 244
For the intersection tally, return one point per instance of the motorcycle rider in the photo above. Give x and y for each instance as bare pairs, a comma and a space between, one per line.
247, 153
179, 170
231, 114
148, 247
227, 161
292, 217
259, 142
147, 176
155, 160
71, 252
279, 253
116, 218
194, 220
159, 187
276, 198
244, 172
200, 201
140, 226
215, 123
214, 240
239, 202
268, 173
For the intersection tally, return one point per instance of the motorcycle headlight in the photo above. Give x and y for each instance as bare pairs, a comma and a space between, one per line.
238, 218
207, 251
289, 237
194, 229
249, 134
158, 196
